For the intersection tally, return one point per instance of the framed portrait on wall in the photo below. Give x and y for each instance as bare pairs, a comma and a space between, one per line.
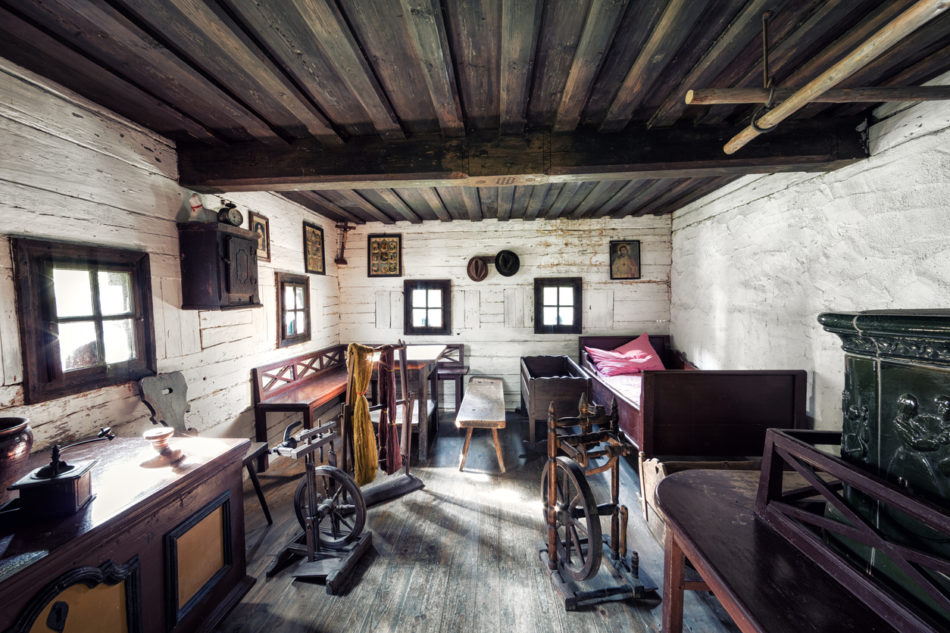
384, 255
261, 227
313, 251
624, 259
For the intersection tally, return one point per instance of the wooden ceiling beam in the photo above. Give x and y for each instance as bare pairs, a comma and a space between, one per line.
875, 94
356, 204
529, 159
387, 198
321, 206
520, 24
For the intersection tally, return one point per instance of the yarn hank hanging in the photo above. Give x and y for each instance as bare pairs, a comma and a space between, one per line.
359, 361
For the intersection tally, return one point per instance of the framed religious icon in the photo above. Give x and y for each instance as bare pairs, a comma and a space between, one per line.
261, 227
624, 259
313, 251
385, 256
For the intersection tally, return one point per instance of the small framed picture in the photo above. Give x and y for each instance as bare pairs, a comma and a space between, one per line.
313, 252
385, 256
624, 259
261, 227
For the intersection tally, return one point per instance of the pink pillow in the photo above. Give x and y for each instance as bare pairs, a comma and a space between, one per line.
613, 363
640, 348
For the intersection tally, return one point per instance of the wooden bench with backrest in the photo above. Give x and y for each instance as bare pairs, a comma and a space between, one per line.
309, 384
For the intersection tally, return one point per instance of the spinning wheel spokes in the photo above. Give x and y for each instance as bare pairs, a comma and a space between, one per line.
336, 506
576, 521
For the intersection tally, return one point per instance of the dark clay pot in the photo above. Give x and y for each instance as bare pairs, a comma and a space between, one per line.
16, 440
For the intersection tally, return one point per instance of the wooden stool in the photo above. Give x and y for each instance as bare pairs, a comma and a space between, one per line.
483, 407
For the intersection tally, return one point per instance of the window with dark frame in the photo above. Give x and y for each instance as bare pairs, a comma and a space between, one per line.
557, 305
428, 306
293, 307
85, 315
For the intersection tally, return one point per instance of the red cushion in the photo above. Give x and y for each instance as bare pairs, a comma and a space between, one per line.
640, 348
613, 363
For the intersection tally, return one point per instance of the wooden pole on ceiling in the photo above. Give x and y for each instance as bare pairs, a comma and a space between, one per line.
917, 15
734, 96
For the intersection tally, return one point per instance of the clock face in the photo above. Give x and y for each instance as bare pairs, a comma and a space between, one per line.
231, 216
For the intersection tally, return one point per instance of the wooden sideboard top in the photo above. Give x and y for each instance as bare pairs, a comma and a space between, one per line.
129, 480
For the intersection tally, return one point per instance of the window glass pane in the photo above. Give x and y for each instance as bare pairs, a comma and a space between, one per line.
73, 292
115, 293
550, 316
566, 316
418, 298
566, 296
288, 297
298, 292
77, 345
290, 323
118, 340
435, 298
301, 321
435, 317
550, 296
418, 317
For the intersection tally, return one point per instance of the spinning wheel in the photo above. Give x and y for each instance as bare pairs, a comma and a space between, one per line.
336, 505
576, 521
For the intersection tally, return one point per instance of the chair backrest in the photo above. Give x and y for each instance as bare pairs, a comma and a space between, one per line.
166, 396
453, 357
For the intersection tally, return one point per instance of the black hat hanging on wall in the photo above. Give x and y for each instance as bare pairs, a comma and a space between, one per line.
507, 263
477, 268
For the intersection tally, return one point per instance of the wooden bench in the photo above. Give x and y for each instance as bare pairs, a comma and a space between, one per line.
309, 384
763, 581
483, 407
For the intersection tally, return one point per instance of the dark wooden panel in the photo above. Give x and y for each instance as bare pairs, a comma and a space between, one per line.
568, 189
355, 204
387, 201
505, 197
520, 24
616, 201
488, 196
520, 200
557, 42
699, 188
473, 30
603, 192
419, 203
461, 202
318, 205
541, 200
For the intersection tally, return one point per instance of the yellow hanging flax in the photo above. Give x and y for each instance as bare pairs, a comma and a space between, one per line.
359, 360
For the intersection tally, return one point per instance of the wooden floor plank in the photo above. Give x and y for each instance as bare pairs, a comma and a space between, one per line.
460, 555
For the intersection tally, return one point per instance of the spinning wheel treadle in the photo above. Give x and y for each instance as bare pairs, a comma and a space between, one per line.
340, 512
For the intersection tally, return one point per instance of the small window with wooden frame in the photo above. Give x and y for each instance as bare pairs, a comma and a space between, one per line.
557, 305
85, 315
427, 306
293, 309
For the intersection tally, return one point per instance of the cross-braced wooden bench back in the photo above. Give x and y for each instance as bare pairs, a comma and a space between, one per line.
276, 378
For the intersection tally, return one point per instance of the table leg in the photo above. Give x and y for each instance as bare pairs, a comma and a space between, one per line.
673, 584
423, 416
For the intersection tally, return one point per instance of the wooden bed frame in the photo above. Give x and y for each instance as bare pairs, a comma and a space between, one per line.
687, 412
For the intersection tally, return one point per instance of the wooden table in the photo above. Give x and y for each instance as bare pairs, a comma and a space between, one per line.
420, 365
762, 580
175, 531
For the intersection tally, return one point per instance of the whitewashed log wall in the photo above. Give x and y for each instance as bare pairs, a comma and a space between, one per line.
756, 263
495, 318
73, 171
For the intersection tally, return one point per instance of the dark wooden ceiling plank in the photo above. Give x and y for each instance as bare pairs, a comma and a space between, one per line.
334, 37
420, 200
799, 31
644, 190
26, 45
208, 38
557, 40
356, 204
746, 26
618, 200
668, 190
577, 199
453, 202
520, 24
110, 39
288, 37
600, 25
388, 201
519, 203
540, 203
530, 159
505, 197
474, 29
488, 200
426, 26
604, 191
674, 25
472, 202
321, 206
568, 189
701, 189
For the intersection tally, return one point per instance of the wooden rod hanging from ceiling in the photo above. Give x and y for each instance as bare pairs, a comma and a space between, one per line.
733, 96
917, 15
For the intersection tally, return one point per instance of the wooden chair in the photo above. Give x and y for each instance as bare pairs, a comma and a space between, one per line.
166, 396
452, 367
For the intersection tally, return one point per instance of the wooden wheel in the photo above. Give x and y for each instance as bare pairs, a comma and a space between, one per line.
576, 521
340, 510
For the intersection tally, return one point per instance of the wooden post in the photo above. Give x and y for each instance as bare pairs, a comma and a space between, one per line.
919, 14
718, 96
551, 501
